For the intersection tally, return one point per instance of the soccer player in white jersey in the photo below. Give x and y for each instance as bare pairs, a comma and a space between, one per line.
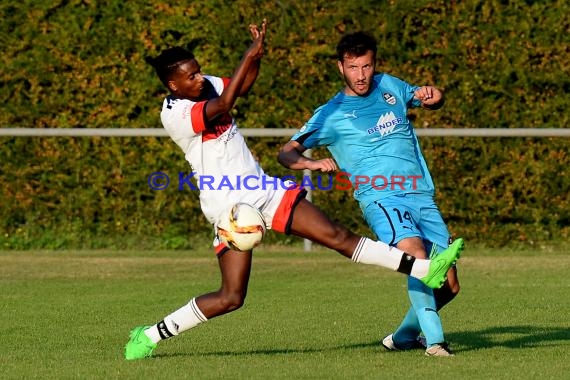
365, 127
196, 116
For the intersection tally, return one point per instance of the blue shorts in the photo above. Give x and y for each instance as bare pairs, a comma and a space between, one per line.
409, 215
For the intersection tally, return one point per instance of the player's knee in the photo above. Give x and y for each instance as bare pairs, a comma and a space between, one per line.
339, 237
231, 301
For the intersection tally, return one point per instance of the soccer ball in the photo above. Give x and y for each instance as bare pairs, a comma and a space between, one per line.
241, 227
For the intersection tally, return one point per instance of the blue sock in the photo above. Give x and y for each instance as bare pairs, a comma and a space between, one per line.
408, 331
422, 316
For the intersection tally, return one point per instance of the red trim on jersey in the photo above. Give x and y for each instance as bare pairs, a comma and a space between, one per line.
197, 117
284, 215
199, 124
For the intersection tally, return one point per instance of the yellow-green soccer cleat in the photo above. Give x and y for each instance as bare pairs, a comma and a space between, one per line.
139, 345
441, 263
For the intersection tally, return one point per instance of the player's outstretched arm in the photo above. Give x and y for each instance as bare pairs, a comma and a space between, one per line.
291, 156
226, 100
253, 71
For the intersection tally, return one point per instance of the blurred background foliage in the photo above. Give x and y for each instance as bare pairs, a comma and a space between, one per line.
81, 64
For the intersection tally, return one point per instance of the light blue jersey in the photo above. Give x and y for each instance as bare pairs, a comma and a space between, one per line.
372, 140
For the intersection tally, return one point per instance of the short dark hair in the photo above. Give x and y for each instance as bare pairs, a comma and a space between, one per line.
355, 44
166, 63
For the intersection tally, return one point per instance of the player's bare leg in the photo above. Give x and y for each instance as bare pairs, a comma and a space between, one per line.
235, 269
310, 222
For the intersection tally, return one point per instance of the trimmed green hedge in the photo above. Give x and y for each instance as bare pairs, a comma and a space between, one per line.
80, 64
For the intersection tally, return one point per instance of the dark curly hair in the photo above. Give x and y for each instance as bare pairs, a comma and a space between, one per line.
166, 63
356, 45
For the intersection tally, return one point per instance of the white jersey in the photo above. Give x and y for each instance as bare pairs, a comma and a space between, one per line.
222, 165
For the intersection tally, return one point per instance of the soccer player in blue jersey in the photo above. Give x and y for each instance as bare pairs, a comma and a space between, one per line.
366, 129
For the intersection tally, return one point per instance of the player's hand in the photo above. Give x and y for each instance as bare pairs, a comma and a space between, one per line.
256, 49
326, 165
428, 96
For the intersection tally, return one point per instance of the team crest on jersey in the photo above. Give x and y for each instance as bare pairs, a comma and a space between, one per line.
389, 98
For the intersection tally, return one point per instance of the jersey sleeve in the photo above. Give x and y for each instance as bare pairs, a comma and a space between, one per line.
184, 118
410, 91
314, 133
405, 89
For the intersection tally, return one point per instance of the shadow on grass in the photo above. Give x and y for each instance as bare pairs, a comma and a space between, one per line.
276, 351
522, 337
509, 337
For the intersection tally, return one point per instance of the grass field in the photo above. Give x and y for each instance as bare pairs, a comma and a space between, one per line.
66, 315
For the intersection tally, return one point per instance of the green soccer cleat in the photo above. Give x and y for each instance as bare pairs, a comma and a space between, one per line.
139, 345
441, 263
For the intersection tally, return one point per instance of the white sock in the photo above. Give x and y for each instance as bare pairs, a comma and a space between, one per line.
377, 253
420, 269
185, 318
